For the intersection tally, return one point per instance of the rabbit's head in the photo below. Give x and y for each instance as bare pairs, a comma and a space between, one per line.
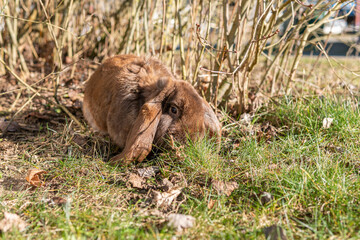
172, 108
185, 114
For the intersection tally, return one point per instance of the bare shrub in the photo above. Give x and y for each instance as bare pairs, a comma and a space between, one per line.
232, 51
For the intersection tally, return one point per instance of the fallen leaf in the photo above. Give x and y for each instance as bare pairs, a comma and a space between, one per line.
150, 212
332, 148
211, 204
164, 199
246, 118
33, 177
11, 221
178, 179
8, 126
274, 232
38, 115
30, 128
180, 221
59, 201
268, 131
327, 122
148, 172
136, 181
265, 197
77, 104
224, 187
73, 95
80, 140
166, 185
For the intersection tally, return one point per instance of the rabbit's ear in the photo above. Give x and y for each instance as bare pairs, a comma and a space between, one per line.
141, 136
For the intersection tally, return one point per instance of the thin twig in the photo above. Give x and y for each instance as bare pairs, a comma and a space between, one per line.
204, 43
267, 37
17, 112
36, 93
182, 54
162, 28
303, 4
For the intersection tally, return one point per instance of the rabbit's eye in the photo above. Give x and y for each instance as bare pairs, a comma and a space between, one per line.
173, 110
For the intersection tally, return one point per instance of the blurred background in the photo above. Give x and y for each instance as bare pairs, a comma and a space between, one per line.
238, 54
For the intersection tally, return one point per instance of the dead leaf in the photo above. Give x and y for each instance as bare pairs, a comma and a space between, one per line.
33, 177
332, 148
268, 131
38, 115
178, 179
327, 122
58, 201
265, 197
77, 104
30, 128
224, 187
8, 126
246, 118
136, 181
180, 221
211, 204
11, 221
166, 185
144, 212
80, 140
148, 172
74, 95
164, 199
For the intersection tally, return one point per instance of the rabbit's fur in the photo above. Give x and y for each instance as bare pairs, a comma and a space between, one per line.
138, 102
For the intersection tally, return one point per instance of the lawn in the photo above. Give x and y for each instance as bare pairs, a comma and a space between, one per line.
287, 165
278, 169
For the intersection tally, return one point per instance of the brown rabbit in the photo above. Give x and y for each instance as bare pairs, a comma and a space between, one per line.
138, 102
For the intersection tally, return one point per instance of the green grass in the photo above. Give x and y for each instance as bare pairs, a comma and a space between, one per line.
313, 174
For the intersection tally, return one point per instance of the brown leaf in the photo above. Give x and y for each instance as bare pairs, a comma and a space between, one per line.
164, 199
136, 181
180, 221
6, 125
11, 221
58, 201
211, 204
145, 212
332, 148
327, 122
148, 172
166, 185
80, 140
38, 115
30, 128
74, 95
265, 197
178, 179
33, 177
224, 187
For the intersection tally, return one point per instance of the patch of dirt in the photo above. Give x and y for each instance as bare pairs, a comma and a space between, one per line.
14, 183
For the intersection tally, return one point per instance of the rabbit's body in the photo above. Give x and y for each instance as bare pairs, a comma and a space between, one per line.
138, 102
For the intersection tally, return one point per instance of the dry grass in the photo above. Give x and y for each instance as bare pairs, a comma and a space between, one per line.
216, 46
312, 175
49, 49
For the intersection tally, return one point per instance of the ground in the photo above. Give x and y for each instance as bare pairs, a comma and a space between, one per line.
279, 168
